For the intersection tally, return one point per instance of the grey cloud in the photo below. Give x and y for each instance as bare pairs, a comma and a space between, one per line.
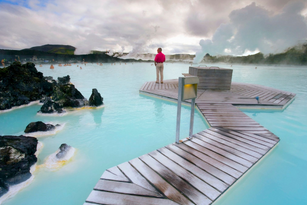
254, 27
140, 24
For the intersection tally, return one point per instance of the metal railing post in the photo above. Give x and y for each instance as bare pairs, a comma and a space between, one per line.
192, 118
180, 87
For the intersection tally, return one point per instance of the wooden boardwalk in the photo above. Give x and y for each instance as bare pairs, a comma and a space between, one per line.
200, 170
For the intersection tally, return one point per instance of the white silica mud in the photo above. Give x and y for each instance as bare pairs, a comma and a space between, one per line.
58, 128
54, 162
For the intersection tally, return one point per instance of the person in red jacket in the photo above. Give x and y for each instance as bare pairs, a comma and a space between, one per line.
159, 60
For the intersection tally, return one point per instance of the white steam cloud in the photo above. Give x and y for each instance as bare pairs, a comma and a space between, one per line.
254, 28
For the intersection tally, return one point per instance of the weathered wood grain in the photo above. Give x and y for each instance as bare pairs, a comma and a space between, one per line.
198, 170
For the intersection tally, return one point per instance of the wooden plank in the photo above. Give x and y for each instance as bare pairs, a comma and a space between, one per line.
247, 128
168, 190
216, 156
213, 111
217, 109
137, 178
100, 197
254, 138
281, 99
256, 147
234, 121
143, 86
111, 176
249, 93
124, 188
215, 163
267, 135
227, 178
149, 86
272, 95
262, 138
171, 86
267, 95
205, 176
230, 147
152, 87
239, 114
213, 104
285, 101
194, 181
254, 131
224, 153
186, 188
233, 124
146, 87
227, 117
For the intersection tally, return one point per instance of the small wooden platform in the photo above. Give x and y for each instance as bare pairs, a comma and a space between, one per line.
200, 170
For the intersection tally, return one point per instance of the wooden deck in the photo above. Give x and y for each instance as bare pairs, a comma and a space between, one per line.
200, 170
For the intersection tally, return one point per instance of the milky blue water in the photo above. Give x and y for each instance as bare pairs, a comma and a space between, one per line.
131, 125
280, 178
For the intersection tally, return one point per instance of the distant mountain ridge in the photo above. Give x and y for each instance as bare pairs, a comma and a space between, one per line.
296, 55
57, 49
54, 54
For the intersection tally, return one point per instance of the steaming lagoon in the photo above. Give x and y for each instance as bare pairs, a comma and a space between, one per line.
131, 125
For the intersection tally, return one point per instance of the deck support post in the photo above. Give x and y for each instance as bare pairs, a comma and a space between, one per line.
192, 118
180, 92
187, 90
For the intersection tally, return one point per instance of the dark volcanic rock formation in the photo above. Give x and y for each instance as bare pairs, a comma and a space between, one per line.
95, 99
38, 126
64, 148
51, 107
66, 95
4, 188
64, 80
20, 84
17, 155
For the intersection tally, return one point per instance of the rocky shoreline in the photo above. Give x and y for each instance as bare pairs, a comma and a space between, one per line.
17, 155
21, 85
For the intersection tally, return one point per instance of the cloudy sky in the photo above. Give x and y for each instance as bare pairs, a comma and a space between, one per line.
140, 26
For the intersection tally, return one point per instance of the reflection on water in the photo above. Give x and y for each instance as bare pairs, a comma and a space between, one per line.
97, 115
158, 110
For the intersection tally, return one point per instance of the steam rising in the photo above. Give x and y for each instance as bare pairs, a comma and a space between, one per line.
255, 28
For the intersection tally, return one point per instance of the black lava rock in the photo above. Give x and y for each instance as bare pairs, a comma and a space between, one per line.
51, 107
38, 126
68, 96
4, 188
64, 80
64, 148
21, 84
17, 155
95, 99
